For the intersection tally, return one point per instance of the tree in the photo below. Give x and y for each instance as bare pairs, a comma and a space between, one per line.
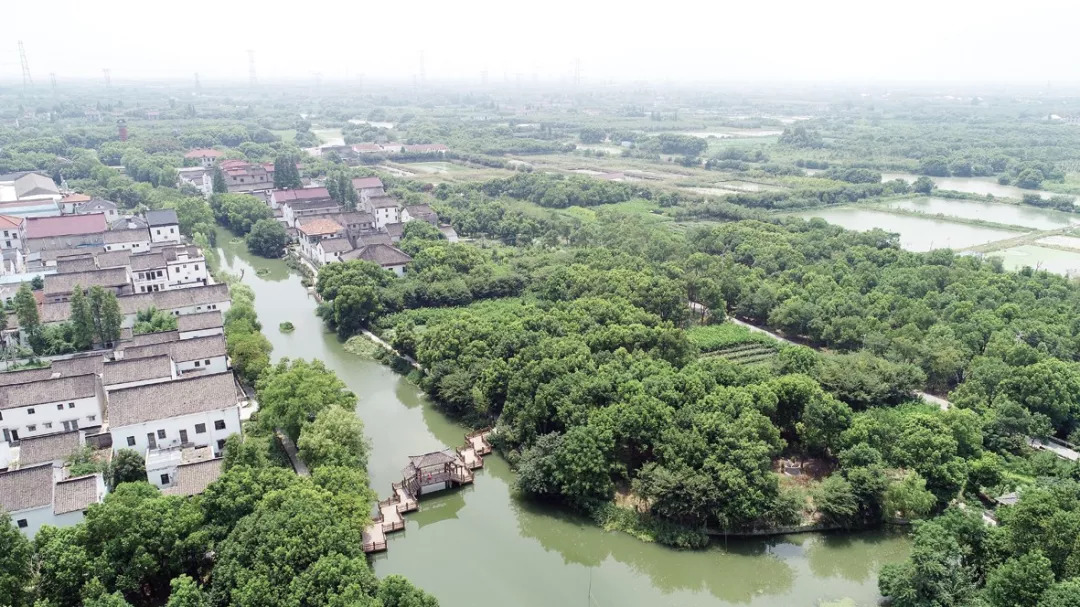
933, 575
107, 316
267, 238
354, 308
127, 466
195, 216
396, 591
63, 565
26, 311
1062, 594
835, 500
82, 319
1020, 581
37, 283
239, 212
152, 320
908, 497
293, 392
219, 185
250, 354
286, 175
15, 552
184, 592
923, 185
335, 438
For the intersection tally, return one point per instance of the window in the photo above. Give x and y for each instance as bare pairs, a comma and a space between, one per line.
31, 428
22, 523
47, 425
196, 266
161, 434
221, 445
59, 406
207, 362
91, 418
200, 428
219, 424
131, 441
159, 232
71, 405
164, 479
196, 363
30, 411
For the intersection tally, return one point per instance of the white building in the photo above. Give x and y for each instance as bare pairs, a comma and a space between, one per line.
384, 209
39, 495
136, 240
388, 257
125, 373
164, 226
317, 236
204, 355
177, 468
149, 272
186, 267
50, 405
9, 232
200, 411
99, 205
178, 302
368, 187
295, 211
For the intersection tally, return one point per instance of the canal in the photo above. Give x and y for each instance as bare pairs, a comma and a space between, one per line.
483, 545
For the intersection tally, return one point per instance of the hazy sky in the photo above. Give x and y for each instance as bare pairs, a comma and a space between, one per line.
677, 40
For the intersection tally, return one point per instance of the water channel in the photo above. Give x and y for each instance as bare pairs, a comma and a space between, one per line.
483, 545
971, 185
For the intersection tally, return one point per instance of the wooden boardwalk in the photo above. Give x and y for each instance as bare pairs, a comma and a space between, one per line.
405, 495
290, 450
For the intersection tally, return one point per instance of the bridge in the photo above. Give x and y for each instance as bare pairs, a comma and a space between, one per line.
424, 474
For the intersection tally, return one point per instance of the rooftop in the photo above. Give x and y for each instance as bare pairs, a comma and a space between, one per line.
75, 198
382, 254
34, 184
161, 217
203, 153
194, 478
172, 399
300, 194
97, 205
48, 391
382, 202
26, 488
147, 261
162, 300
335, 245
9, 222
183, 350
76, 494
79, 365
65, 225
361, 183
137, 369
318, 226
197, 322
59, 284
122, 236
48, 448
308, 205
24, 376
146, 339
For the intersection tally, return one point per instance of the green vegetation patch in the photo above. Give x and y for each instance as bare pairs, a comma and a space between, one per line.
360, 345
286, 327
729, 337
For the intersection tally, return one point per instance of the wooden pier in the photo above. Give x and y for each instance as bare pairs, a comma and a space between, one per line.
424, 474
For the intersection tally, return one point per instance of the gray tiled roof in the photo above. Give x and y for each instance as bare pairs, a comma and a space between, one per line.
197, 322
48, 447
147, 261
76, 263
382, 202
113, 259
96, 205
26, 488
335, 245
162, 300
198, 394
57, 284
145, 339
354, 217
384, 255
374, 238
24, 376
194, 478
75, 494
183, 350
137, 369
48, 391
128, 223
79, 365
309, 205
122, 236
395, 229
161, 217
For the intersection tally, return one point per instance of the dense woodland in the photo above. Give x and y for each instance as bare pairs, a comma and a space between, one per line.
593, 338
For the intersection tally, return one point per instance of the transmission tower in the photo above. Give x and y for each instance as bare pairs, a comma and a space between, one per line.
27, 81
251, 68
52, 80
198, 86
108, 77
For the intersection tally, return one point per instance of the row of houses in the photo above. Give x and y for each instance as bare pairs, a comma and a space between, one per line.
170, 396
393, 148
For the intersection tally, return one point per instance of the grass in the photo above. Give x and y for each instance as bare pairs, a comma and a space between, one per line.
285, 134
362, 346
328, 135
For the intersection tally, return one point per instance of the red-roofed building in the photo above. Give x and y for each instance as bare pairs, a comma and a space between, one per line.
278, 197
64, 232
9, 232
244, 177
322, 240
205, 156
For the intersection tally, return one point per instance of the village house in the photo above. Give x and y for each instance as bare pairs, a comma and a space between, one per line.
40, 495
383, 208
322, 240
164, 226
183, 470
99, 205
178, 302
197, 354
50, 405
421, 212
64, 232
141, 371
199, 411
200, 178
368, 187
10, 232
59, 287
52, 449
280, 197
149, 272
30, 208
388, 257
244, 177
204, 156
136, 240
29, 186
292, 211
70, 202
200, 325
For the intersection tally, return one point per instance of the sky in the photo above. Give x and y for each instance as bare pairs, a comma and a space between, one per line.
679, 41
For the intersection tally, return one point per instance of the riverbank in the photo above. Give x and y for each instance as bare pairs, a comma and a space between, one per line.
533, 555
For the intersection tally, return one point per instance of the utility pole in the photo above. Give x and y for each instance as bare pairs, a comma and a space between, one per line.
252, 81
27, 81
108, 77
198, 86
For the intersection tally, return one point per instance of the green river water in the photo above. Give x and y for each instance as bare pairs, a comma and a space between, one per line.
484, 545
